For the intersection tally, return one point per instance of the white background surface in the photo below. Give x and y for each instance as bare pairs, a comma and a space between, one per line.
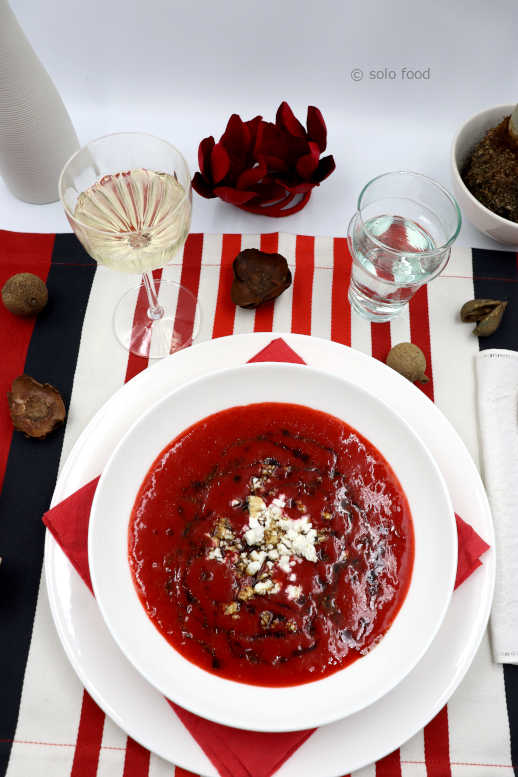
179, 68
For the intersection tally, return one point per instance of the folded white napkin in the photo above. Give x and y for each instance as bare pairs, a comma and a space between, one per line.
497, 389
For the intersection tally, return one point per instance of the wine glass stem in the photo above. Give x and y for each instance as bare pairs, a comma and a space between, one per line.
155, 311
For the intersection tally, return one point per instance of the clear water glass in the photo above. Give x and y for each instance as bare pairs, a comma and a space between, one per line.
400, 238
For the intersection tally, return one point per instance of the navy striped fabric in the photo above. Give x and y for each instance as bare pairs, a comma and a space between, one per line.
31, 473
495, 276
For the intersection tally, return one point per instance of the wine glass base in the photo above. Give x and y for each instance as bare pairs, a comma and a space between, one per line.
153, 339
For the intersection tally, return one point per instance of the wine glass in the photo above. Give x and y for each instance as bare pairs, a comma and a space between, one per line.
127, 196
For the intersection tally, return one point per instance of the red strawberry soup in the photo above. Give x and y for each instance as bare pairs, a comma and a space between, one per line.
271, 544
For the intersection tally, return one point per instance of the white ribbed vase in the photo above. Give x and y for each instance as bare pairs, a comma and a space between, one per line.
36, 134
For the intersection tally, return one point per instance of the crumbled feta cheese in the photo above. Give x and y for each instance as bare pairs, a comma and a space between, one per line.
286, 537
304, 545
293, 591
270, 539
215, 553
257, 560
262, 587
255, 535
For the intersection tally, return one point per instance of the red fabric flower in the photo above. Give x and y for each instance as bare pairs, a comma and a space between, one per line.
260, 166
228, 168
292, 153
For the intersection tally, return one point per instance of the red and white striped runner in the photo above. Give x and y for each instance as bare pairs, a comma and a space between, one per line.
73, 737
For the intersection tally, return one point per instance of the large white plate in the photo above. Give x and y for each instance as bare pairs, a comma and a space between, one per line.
348, 744
327, 699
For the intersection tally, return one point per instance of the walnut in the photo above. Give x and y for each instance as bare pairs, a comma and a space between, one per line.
223, 530
255, 505
245, 593
271, 537
232, 608
266, 619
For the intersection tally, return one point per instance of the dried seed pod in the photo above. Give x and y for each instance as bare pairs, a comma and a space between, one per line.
477, 309
409, 360
258, 277
24, 294
36, 408
490, 323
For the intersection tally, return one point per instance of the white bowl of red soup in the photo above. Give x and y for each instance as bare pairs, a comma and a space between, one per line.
272, 547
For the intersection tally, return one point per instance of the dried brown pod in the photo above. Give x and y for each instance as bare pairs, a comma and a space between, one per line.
36, 408
490, 323
477, 309
409, 360
258, 277
24, 294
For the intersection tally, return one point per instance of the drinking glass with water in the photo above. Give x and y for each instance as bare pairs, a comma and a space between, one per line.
400, 238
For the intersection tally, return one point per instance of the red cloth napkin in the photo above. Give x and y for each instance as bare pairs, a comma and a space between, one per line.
234, 752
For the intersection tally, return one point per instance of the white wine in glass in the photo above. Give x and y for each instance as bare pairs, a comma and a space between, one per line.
128, 199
